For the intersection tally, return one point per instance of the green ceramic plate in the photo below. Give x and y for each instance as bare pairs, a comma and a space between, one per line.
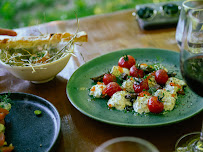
80, 83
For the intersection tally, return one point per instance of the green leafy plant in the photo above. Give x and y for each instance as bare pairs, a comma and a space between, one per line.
20, 13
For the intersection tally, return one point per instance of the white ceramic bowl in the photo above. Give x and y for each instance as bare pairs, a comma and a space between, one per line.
126, 144
44, 72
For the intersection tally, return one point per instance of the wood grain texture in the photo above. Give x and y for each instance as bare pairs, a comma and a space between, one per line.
106, 33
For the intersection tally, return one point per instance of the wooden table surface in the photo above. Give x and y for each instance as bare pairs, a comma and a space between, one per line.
106, 33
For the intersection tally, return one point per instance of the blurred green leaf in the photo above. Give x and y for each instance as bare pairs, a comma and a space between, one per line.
80, 4
8, 10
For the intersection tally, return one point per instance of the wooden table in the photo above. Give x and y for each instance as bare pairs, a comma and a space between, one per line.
107, 33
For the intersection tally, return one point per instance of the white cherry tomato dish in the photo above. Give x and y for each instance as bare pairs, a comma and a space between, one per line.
141, 88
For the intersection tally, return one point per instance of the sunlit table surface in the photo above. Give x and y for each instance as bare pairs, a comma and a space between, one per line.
106, 33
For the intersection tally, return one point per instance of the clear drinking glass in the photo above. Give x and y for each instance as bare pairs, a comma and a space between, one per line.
186, 6
187, 142
191, 59
191, 62
127, 144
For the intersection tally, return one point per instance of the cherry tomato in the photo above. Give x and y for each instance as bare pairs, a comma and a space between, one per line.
2, 139
126, 61
2, 115
135, 72
161, 76
141, 86
111, 88
7, 149
2, 121
109, 78
154, 105
4, 111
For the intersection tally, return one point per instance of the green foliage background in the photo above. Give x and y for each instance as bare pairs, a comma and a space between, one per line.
20, 13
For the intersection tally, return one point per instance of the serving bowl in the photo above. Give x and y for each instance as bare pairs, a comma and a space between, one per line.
42, 73
38, 58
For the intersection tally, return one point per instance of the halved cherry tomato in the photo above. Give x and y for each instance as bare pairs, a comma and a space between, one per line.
174, 84
161, 76
2, 115
109, 78
4, 111
154, 105
2, 139
135, 72
2, 121
141, 86
7, 149
143, 93
111, 88
126, 61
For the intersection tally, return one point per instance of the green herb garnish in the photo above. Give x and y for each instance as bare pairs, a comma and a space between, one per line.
5, 98
158, 58
152, 90
125, 57
37, 112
